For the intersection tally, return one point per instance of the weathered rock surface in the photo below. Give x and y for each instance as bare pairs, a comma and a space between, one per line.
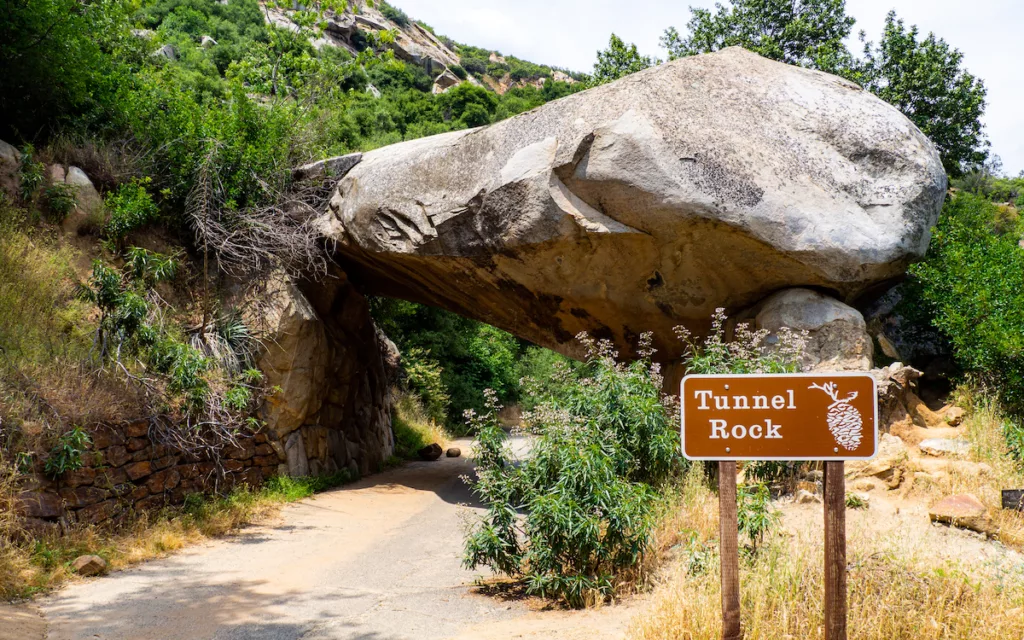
837, 335
328, 364
945, 447
891, 454
294, 360
88, 201
10, 161
89, 565
964, 511
710, 181
430, 452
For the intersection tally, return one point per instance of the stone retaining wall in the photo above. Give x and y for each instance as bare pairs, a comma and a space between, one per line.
128, 470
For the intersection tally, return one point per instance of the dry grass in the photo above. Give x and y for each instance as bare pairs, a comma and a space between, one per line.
29, 566
896, 589
890, 597
413, 428
984, 429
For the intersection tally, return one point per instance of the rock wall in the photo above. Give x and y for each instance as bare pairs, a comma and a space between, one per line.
332, 408
128, 469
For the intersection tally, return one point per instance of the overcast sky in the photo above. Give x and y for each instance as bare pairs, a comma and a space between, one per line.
568, 33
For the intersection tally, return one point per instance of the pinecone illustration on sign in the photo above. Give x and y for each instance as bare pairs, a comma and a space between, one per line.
844, 420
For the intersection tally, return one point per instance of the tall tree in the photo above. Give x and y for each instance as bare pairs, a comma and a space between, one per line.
618, 60
808, 33
924, 79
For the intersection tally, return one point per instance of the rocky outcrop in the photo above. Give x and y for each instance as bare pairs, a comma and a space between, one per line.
837, 337
711, 181
328, 366
10, 161
88, 202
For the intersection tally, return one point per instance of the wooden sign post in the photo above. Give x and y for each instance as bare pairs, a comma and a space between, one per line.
831, 417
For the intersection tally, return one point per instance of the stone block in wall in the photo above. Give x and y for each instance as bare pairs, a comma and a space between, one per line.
295, 453
135, 445
151, 503
231, 466
79, 477
164, 462
116, 456
107, 477
243, 450
96, 513
163, 481
139, 469
105, 436
40, 504
137, 429
83, 496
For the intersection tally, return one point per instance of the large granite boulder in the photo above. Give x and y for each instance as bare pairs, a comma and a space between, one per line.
711, 181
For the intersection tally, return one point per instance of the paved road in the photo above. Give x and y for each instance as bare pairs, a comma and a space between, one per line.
377, 560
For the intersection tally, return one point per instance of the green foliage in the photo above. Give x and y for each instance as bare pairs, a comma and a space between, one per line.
425, 378
30, 173
544, 374
618, 60
587, 491
855, 501
756, 517
972, 286
450, 359
748, 351
130, 207
66, 455
57, 63
61, 199
394, 14
922, 78
808, 33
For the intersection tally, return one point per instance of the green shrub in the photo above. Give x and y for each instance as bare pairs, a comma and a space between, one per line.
394, 14
130, 208
66, 455
425, 379
61, 199
971, 284
459, 72
756, 517
30, 174
587, 488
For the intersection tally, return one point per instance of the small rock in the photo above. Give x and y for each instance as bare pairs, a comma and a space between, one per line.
945, 447
806, 497
964, 511
891, 454
431, 452
888, 348
814, 475
865, 484
955, 416
89, 565
453, 452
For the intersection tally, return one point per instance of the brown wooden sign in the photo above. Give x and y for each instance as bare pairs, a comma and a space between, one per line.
831, 416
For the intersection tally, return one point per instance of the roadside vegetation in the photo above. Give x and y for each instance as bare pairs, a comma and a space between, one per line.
34, 563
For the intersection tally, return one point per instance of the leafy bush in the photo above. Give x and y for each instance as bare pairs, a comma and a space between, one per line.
586, 490
972, 285
130, 207
30, 174
755, 515
394, 14
61, 199
66, 455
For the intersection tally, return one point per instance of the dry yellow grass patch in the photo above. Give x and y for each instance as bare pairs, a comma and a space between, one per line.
984, 429
33, 565
896, 589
